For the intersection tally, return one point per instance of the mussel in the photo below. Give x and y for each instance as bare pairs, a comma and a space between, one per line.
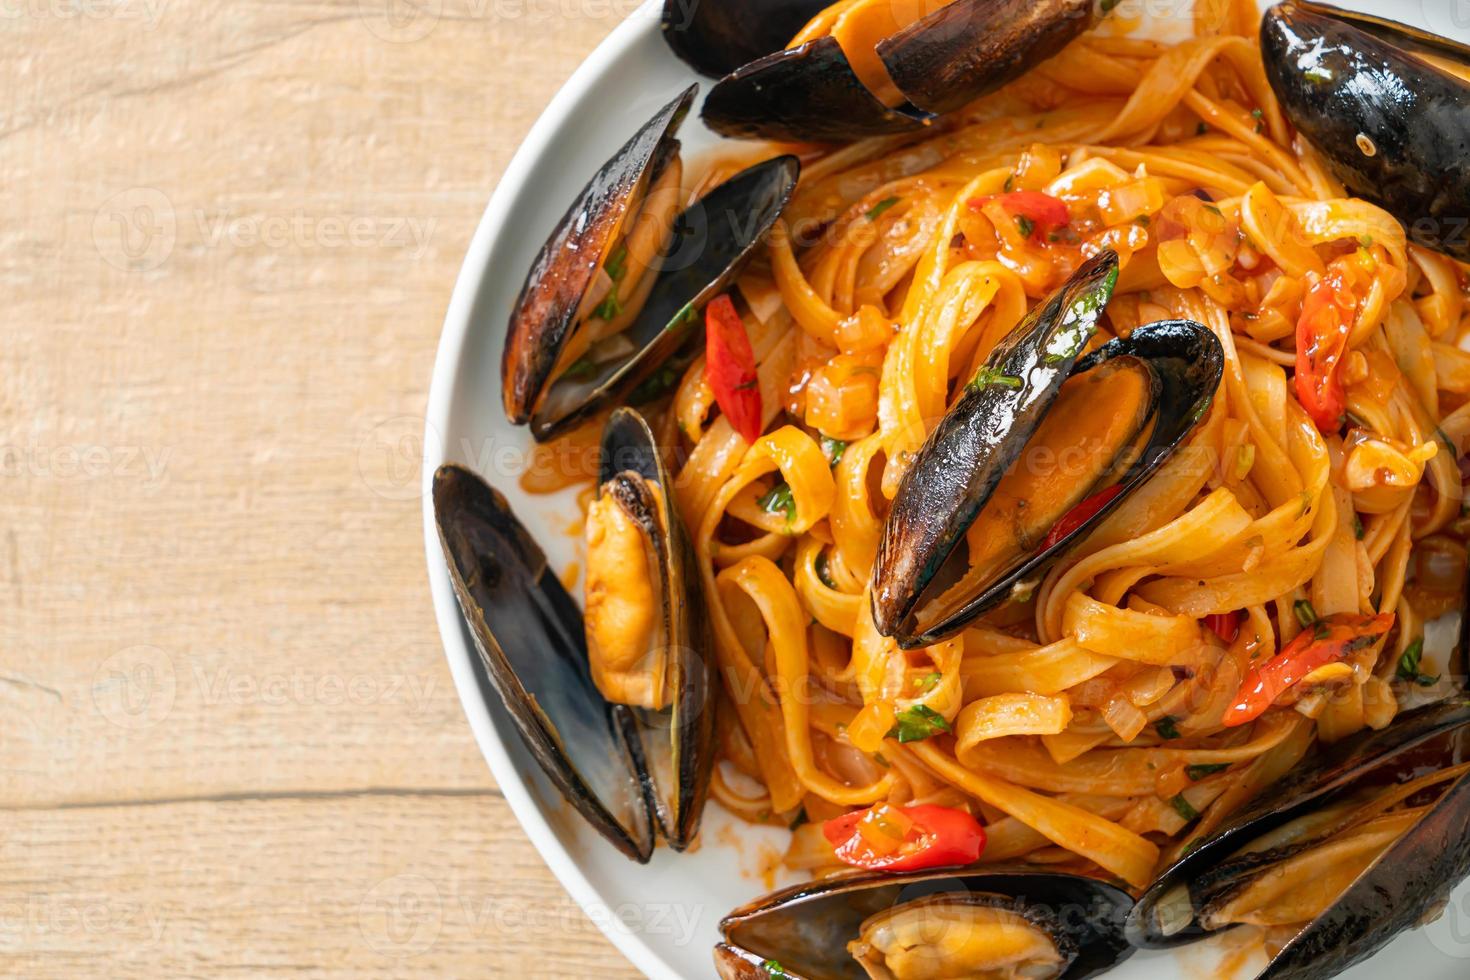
1024, 447
1350, 849
616, 288
619, 715
796, 70
1000, 921
1386, 104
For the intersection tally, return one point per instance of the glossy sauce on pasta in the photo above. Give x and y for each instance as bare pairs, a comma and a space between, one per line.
1082, 722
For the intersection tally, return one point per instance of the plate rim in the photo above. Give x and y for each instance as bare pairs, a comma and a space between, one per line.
469, 283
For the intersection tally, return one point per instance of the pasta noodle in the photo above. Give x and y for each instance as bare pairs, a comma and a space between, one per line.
1083, 720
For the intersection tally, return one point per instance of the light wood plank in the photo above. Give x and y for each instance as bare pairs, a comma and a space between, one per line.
230, 234
361, 886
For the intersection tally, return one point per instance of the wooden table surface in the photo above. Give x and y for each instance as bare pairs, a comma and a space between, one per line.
229, 742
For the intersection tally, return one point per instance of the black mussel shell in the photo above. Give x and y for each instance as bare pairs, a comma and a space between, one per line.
546, 309
966, 455
1337, 768
1394, 129
1410, 880
712, 241
940, 62
803, 94
715, 37
530, 637
961, 463
971, 47
806, 928
678, 743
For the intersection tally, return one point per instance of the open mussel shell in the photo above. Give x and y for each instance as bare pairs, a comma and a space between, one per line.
712, 241
678, 743
1419, 869
1392, 126
939, 63
530, 637
805, 929
715, 37
1409, 881
960, 465
546, 310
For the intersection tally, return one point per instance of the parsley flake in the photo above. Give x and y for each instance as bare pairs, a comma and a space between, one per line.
876, 211
916, 723
778, 499
1196, 773
1408, 669
1184, 808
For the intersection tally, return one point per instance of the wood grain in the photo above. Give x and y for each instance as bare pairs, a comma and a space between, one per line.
230, 235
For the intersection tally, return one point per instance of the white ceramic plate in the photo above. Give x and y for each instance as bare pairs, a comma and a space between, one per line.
664, 916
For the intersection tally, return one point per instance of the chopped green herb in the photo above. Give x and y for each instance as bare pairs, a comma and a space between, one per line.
833, 449
1107, 5
1365, 240
799, 819
916, 723
1025, 225
774, 969
1212, 209
822, 572
877, 210
1142, 220
1305, 614
1184, 808
582, 369
927, 682
1257, 113
609, 308
878, 758
1357, 527
1196, 773
686, 315
1010, 182
1408, 669
778, 499
1167, 727
988, 376
1201, 129
656, 385
1318, 75
1454, 451
617, 263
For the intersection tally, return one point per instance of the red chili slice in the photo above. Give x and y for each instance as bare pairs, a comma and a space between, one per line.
1328, 312
1080, 515
1225, 625
1325, 641
937, 837
729, 367
1044, 212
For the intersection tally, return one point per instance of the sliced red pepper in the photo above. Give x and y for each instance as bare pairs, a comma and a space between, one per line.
1080, 515
938, 836
729, 367
1044, 212
1225, 625
1328, 311
1326, 641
